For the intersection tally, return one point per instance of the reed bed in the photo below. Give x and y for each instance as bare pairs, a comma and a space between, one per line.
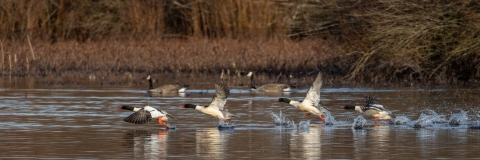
365, 42
202, 56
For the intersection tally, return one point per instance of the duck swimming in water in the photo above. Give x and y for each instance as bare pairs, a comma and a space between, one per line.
165, 89
272, 87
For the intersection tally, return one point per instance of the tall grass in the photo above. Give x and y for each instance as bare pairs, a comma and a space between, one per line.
59, 20
354, 41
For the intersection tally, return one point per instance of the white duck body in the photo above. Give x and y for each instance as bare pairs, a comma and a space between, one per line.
146, 114
311, 103
376, 110
307, 107
372, 109
211, 111
217, 106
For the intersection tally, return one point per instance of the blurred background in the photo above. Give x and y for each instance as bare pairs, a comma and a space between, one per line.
351, 41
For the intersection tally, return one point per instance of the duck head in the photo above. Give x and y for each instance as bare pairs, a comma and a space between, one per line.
188, 106
348, 107
126, 107
286, 100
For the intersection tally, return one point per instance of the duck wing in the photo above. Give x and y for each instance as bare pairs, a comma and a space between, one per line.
313, 93
165, 113
220, 98
372, 103
140, 117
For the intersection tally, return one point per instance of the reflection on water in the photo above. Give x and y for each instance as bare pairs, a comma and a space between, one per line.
85, 123
311, 144
147, 144
212, 143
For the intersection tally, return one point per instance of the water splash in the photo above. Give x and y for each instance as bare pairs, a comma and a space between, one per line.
304, 126
170, 126
225, 125
475, 125
329, 119
281, 120
359, 122
399, 120
429, 119
458, 118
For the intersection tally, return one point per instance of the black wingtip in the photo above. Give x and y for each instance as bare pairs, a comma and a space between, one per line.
370, 100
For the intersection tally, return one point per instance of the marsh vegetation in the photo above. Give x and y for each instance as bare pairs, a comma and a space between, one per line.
374, 42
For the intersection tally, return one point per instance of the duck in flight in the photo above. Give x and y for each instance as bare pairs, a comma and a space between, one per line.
217, 106
311, 102
146, 114
372, 109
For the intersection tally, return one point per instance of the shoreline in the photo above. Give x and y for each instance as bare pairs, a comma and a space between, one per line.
62, 61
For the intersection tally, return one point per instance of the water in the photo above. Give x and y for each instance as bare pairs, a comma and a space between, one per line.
359, 122
83, 122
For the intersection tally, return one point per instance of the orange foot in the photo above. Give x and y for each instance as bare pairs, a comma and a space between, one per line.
321, 117
376, 119
163, 123
306, 115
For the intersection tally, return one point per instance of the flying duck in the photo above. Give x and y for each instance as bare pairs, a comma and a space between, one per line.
217, 106
146, 114
372, 109
311, 102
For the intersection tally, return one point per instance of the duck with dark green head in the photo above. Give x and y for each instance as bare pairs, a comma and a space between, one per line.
146, 114
311, 103
372, 109
217, 106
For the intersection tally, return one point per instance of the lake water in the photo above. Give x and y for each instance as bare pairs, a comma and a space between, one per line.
83, 122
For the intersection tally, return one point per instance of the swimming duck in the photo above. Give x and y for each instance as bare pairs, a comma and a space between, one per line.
217, 106
273, 87
165, 89
311, 102
146, 114
373, 109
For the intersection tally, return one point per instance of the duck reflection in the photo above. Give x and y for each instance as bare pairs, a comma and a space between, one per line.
427, 141
376, 140
212, 143
309, 142
359, 141
148, 144
380, 137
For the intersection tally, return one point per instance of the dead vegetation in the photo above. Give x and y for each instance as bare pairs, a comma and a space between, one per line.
351, 41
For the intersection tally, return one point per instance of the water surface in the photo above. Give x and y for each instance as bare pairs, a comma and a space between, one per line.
83, 121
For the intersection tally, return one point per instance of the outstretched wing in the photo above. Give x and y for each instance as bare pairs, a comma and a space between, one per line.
372, 103
313, 93
221, 94
165, 113
140, 117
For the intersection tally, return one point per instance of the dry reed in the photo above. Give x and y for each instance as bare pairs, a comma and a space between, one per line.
352, 41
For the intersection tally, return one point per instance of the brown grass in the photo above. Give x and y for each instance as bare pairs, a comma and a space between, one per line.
204, 56
352, 41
